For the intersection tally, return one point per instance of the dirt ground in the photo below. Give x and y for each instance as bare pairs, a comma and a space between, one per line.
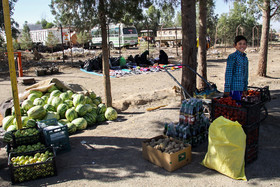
112, 154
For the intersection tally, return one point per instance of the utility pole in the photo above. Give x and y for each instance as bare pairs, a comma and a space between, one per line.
176, 41
62, 43
148, 38
71, 45
120, 50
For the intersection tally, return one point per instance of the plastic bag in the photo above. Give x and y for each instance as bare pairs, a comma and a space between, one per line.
226, 148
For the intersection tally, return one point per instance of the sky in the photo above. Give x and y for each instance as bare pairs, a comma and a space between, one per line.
35, 10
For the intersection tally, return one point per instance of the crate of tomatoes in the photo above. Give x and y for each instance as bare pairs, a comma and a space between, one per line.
245, 114
256, 95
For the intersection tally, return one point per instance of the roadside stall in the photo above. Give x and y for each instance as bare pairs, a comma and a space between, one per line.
51, 111
231, 128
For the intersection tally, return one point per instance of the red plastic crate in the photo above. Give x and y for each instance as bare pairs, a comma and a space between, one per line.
252, 139
245, 114
265, 93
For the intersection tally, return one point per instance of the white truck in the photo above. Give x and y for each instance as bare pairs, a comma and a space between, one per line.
40, 36
169, 37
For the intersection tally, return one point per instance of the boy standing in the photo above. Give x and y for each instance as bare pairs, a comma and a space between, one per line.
236, 77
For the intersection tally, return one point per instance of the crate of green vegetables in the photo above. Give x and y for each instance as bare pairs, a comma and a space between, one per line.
26, 136
32, 165
26, 148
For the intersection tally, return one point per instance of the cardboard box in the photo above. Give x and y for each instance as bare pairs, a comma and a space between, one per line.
170, 162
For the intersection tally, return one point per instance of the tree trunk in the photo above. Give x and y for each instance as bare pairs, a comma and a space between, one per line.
202, 65
105, 55
189, 45
262, 67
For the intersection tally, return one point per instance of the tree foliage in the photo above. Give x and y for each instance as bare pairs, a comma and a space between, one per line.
45, 24
51, 41
152, 19
178, 19
238, 21
14, 24
83, 14
211, 20
83, 37
25, 39
256, 7
167, 15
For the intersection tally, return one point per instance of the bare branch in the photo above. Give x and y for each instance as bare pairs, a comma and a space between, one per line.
275, 12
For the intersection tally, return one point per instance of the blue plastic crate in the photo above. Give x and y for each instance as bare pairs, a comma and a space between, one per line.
48, 122
55, 134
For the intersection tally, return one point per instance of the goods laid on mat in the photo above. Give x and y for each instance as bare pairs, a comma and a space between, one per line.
193, 124
166, 152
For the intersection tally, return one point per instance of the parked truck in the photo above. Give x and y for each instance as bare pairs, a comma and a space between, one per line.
40, 36
169, 37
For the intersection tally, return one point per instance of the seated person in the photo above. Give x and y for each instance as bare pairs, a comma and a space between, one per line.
163, 58
144, 59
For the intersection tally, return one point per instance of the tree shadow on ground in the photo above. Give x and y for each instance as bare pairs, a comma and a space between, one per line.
110, 159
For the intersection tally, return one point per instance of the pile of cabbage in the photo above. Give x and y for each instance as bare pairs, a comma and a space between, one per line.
76, 110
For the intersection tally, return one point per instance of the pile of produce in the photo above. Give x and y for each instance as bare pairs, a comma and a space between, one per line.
230, 109
22, 136
76, 110
32, 166
166, 145
253, 96
36, 158
28, 158
29, 148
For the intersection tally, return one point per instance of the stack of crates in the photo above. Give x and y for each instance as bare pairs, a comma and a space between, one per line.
248, 115
20, 156
55, 134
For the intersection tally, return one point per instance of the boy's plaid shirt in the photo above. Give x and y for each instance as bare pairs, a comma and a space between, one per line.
236, 77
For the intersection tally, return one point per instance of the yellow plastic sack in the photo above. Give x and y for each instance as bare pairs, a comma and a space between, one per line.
226, 148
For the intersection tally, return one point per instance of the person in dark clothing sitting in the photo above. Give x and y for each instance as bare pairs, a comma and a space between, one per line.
163, 58
137, 60
144, 60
